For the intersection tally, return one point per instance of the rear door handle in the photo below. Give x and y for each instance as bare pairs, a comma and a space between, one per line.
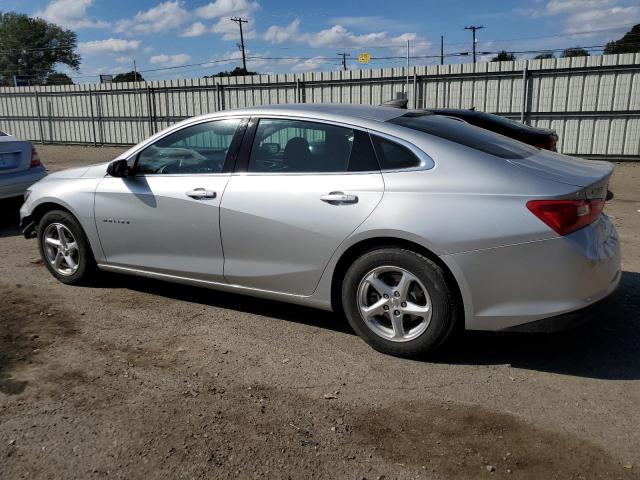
201, 193
339, 198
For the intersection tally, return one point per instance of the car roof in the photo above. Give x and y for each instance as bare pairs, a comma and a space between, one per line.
324, 111
362, 116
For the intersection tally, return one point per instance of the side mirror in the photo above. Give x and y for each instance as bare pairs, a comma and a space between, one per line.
118, 168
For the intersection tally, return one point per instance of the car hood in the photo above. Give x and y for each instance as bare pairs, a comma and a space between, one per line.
564, 169
91, 171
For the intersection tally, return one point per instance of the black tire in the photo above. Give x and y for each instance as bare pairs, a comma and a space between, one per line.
86, 264
443, 307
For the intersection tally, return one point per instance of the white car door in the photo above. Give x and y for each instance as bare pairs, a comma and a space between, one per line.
164, 217
302, 189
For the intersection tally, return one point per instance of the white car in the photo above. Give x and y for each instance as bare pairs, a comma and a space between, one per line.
20, 166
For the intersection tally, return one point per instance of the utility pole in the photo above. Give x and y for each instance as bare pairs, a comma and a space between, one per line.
344, 56
473, 29
240, 21
441, 49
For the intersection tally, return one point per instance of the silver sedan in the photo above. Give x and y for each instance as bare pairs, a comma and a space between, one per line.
411, 224
20, 166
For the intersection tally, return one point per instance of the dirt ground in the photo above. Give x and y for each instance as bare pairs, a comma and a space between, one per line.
135, 378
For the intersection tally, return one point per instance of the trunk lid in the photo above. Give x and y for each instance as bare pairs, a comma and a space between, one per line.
568, 170
15, 155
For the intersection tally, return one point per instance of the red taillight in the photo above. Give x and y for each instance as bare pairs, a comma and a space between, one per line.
35, 158
566, 216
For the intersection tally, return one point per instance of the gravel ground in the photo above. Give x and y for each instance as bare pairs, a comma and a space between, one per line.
135, 378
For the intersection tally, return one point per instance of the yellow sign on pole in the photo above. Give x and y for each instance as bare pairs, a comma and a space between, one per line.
364, 57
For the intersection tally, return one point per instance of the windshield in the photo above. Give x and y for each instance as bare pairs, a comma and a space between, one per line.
465, 134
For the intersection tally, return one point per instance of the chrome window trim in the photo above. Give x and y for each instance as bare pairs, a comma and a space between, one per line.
167, 175
426, 162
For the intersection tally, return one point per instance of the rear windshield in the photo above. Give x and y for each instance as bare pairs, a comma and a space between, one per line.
467, 135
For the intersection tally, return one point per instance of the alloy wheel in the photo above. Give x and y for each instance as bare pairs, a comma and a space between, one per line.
394, 303
61, 249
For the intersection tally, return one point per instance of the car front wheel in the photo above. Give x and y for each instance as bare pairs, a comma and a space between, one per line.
64, 248
398, 301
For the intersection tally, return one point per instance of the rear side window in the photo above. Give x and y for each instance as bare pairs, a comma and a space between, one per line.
2, 134
392, 155
297, 146
467, 135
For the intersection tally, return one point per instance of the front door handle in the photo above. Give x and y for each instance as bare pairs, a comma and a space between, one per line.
339, 198
201, 193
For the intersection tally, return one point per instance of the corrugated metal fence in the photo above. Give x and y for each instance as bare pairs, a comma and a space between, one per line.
592, 102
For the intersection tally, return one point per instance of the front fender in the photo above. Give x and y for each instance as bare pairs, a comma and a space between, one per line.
74, 195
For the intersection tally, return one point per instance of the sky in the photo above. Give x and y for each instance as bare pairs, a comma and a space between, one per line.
190, 39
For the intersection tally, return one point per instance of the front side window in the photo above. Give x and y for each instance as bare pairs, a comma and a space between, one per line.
295, 146
200, 148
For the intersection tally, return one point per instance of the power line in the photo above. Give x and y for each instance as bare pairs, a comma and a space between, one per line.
342, 61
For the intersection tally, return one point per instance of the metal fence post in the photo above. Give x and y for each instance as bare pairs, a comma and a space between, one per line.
525, 91
100, 124
93, 119
50, 120
39, 118
415, 89
302, 91
149, 112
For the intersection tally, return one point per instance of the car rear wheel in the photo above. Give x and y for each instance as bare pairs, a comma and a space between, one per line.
64, 248
398, 301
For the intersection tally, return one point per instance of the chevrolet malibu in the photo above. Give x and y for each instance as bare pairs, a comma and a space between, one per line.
412, 224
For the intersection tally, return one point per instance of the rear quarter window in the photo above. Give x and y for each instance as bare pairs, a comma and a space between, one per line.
465, 134
392, 155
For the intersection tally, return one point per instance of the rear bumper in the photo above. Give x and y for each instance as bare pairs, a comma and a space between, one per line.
520, 284
566, 321
15, 184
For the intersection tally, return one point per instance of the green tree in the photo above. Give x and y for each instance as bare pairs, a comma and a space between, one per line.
574, 52
57, 78
131, 76
544, 56
629, 43
236, 72
32, 47
504, 56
